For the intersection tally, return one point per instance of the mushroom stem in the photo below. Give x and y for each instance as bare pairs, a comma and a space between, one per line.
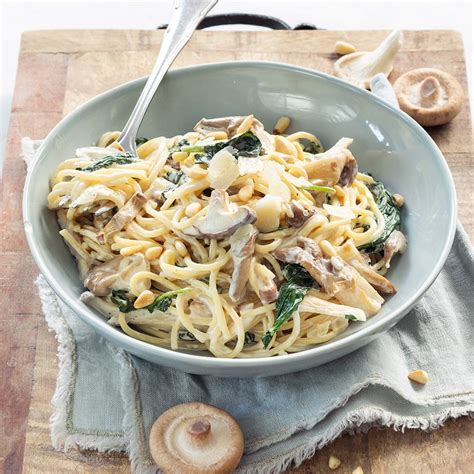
198, 431
430, 89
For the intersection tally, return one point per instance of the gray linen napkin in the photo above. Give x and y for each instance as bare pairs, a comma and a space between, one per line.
107, 399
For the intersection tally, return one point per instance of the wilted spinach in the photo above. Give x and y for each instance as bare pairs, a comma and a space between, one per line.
391, 213
140, 141
247, 145
124, 302
184, 335
179, 146
298, 282
120, 159
163, 301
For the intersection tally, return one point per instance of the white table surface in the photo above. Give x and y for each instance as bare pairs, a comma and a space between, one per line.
17, 16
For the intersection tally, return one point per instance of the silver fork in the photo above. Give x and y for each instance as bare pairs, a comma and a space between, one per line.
187, 14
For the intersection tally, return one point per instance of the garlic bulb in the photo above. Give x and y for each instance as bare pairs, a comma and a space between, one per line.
360, 68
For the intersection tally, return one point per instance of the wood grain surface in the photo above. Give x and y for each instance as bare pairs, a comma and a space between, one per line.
58, 70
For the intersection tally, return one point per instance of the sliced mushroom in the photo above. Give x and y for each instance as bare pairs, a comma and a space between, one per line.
125, 215
335, 277
223, 218
115, 273
300, 214
98, 192
360, 68
396, 243
349, 253
430, 96
220, 124
100, 279
242, 248
335, 166
196, 438
262, 281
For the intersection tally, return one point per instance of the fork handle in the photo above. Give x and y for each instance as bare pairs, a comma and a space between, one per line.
187, 14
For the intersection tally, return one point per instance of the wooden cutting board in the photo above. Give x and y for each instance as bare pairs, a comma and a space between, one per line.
57, 71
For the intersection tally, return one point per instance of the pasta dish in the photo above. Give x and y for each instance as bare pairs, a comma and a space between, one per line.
228, 238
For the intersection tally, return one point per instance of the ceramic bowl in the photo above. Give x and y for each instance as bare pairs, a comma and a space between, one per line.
387, 143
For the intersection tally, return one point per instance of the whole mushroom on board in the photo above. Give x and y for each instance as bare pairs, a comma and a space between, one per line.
196, 438
430, 96
359, 68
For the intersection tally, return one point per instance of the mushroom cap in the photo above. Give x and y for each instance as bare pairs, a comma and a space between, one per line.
196, 438
430, 96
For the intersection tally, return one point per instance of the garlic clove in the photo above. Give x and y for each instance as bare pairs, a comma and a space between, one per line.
360, 68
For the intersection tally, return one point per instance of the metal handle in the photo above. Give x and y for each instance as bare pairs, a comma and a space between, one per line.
187, 14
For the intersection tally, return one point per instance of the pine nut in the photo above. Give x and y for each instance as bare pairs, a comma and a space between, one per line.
418, 376
282, 124
196, 172
398, 199
246, 193
343, 47
192, 209
334, 462
179, 156
145, 298
189, 161
298, 171
153, 252
217, 135
126, 251
358, 470
284, 146
181, 248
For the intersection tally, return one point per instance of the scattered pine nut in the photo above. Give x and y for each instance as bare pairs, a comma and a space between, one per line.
181, 248
196, 172
358, 470
192, 209
343, 47
126, 251
418, 376
282, 124
398, 199
246, 193
153, 252
334, 462
217, 135
145, 298
179, 156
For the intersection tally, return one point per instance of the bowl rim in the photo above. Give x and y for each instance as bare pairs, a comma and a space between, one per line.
210, 361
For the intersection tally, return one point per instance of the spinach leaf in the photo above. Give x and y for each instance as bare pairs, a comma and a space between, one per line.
120, 159
391, 213
350, 317
313, 147
177, 177
249, 338
247, 145
163, 301
292, 292
179, 146
184, 335
140, 141
124, 302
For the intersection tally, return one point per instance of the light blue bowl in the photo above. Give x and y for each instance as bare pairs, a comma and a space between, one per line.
387, 143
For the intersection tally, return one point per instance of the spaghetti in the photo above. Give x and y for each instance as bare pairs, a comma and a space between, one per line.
227, 238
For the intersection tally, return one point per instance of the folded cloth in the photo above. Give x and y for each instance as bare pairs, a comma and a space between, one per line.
108, 399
